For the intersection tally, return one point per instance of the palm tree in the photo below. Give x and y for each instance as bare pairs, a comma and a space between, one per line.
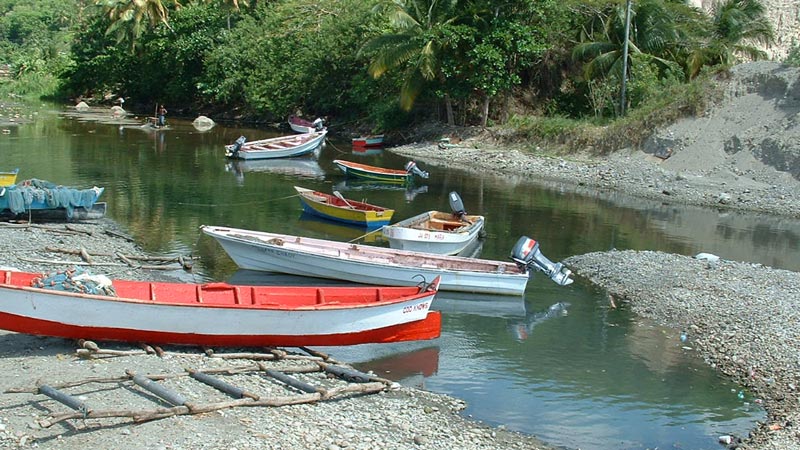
655, 37
736, 26
131, 18
416, 45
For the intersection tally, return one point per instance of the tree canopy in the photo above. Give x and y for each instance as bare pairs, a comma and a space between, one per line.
379, 62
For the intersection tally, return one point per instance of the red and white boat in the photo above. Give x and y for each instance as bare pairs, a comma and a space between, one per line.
375, 140
217, 314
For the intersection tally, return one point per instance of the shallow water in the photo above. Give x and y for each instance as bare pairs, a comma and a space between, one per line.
558, 363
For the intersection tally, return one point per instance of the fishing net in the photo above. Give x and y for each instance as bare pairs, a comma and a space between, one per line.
75, 280
40, 194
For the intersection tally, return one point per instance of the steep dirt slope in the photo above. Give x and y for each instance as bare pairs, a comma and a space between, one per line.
752, 134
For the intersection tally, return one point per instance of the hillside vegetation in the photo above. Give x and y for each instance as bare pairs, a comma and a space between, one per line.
552, 70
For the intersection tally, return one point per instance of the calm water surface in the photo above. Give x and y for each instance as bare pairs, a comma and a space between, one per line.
558, 363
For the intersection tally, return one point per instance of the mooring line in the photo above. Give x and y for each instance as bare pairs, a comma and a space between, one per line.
365, 235
240, 204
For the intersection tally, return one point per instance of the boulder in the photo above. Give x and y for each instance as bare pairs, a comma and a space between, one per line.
203, 123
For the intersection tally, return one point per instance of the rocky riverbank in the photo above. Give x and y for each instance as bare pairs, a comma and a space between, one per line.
741, 317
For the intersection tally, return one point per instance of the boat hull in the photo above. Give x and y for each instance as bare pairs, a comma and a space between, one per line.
94, 212
361, 214
59, 200
187, 321
8, 178
290, 146
365, 264
300, 125
434, 232
369, 141
364, 172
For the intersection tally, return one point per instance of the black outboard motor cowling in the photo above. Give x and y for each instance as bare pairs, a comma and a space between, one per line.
456, 205
238, 144
526, 254
411, 167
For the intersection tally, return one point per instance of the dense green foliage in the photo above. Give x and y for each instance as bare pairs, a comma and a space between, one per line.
381, 63
35, 40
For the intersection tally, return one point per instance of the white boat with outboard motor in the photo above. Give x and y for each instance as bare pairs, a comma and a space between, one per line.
272, 252
444, 233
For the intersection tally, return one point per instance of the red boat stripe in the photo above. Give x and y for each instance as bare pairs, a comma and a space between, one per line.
428, 328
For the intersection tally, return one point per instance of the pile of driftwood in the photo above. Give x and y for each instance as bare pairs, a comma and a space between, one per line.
173, 403
87, 258
159, 262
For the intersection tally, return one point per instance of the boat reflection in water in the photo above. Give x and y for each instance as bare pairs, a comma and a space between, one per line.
486, 305
335, 231
295, 167
400, 363
411, 191
522, 330
367, 151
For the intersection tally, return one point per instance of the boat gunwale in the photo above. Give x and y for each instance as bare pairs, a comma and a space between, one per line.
421, 293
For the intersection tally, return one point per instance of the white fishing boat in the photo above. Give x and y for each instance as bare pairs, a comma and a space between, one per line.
444, 233
278, 147
272, 252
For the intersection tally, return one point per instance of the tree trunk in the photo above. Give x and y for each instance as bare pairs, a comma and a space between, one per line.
485, 111
449, 105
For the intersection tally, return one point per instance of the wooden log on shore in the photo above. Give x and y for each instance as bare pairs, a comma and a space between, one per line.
161, 413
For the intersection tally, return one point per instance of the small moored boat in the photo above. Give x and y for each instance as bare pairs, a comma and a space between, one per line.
81, 305
8, 178
279, 147
300, 125
43, 196
375, 140
373, 173
445, 233
272, 252
336, 207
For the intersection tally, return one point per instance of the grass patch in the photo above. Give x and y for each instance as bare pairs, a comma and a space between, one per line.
565, 135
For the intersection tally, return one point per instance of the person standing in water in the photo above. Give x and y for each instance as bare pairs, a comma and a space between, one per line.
162, 113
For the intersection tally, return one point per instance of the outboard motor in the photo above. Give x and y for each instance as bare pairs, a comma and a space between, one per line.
457, 206
238, 144
526, 254
318, 124
411, 167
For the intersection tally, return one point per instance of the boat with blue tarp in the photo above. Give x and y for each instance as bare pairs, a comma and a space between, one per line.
38, 195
